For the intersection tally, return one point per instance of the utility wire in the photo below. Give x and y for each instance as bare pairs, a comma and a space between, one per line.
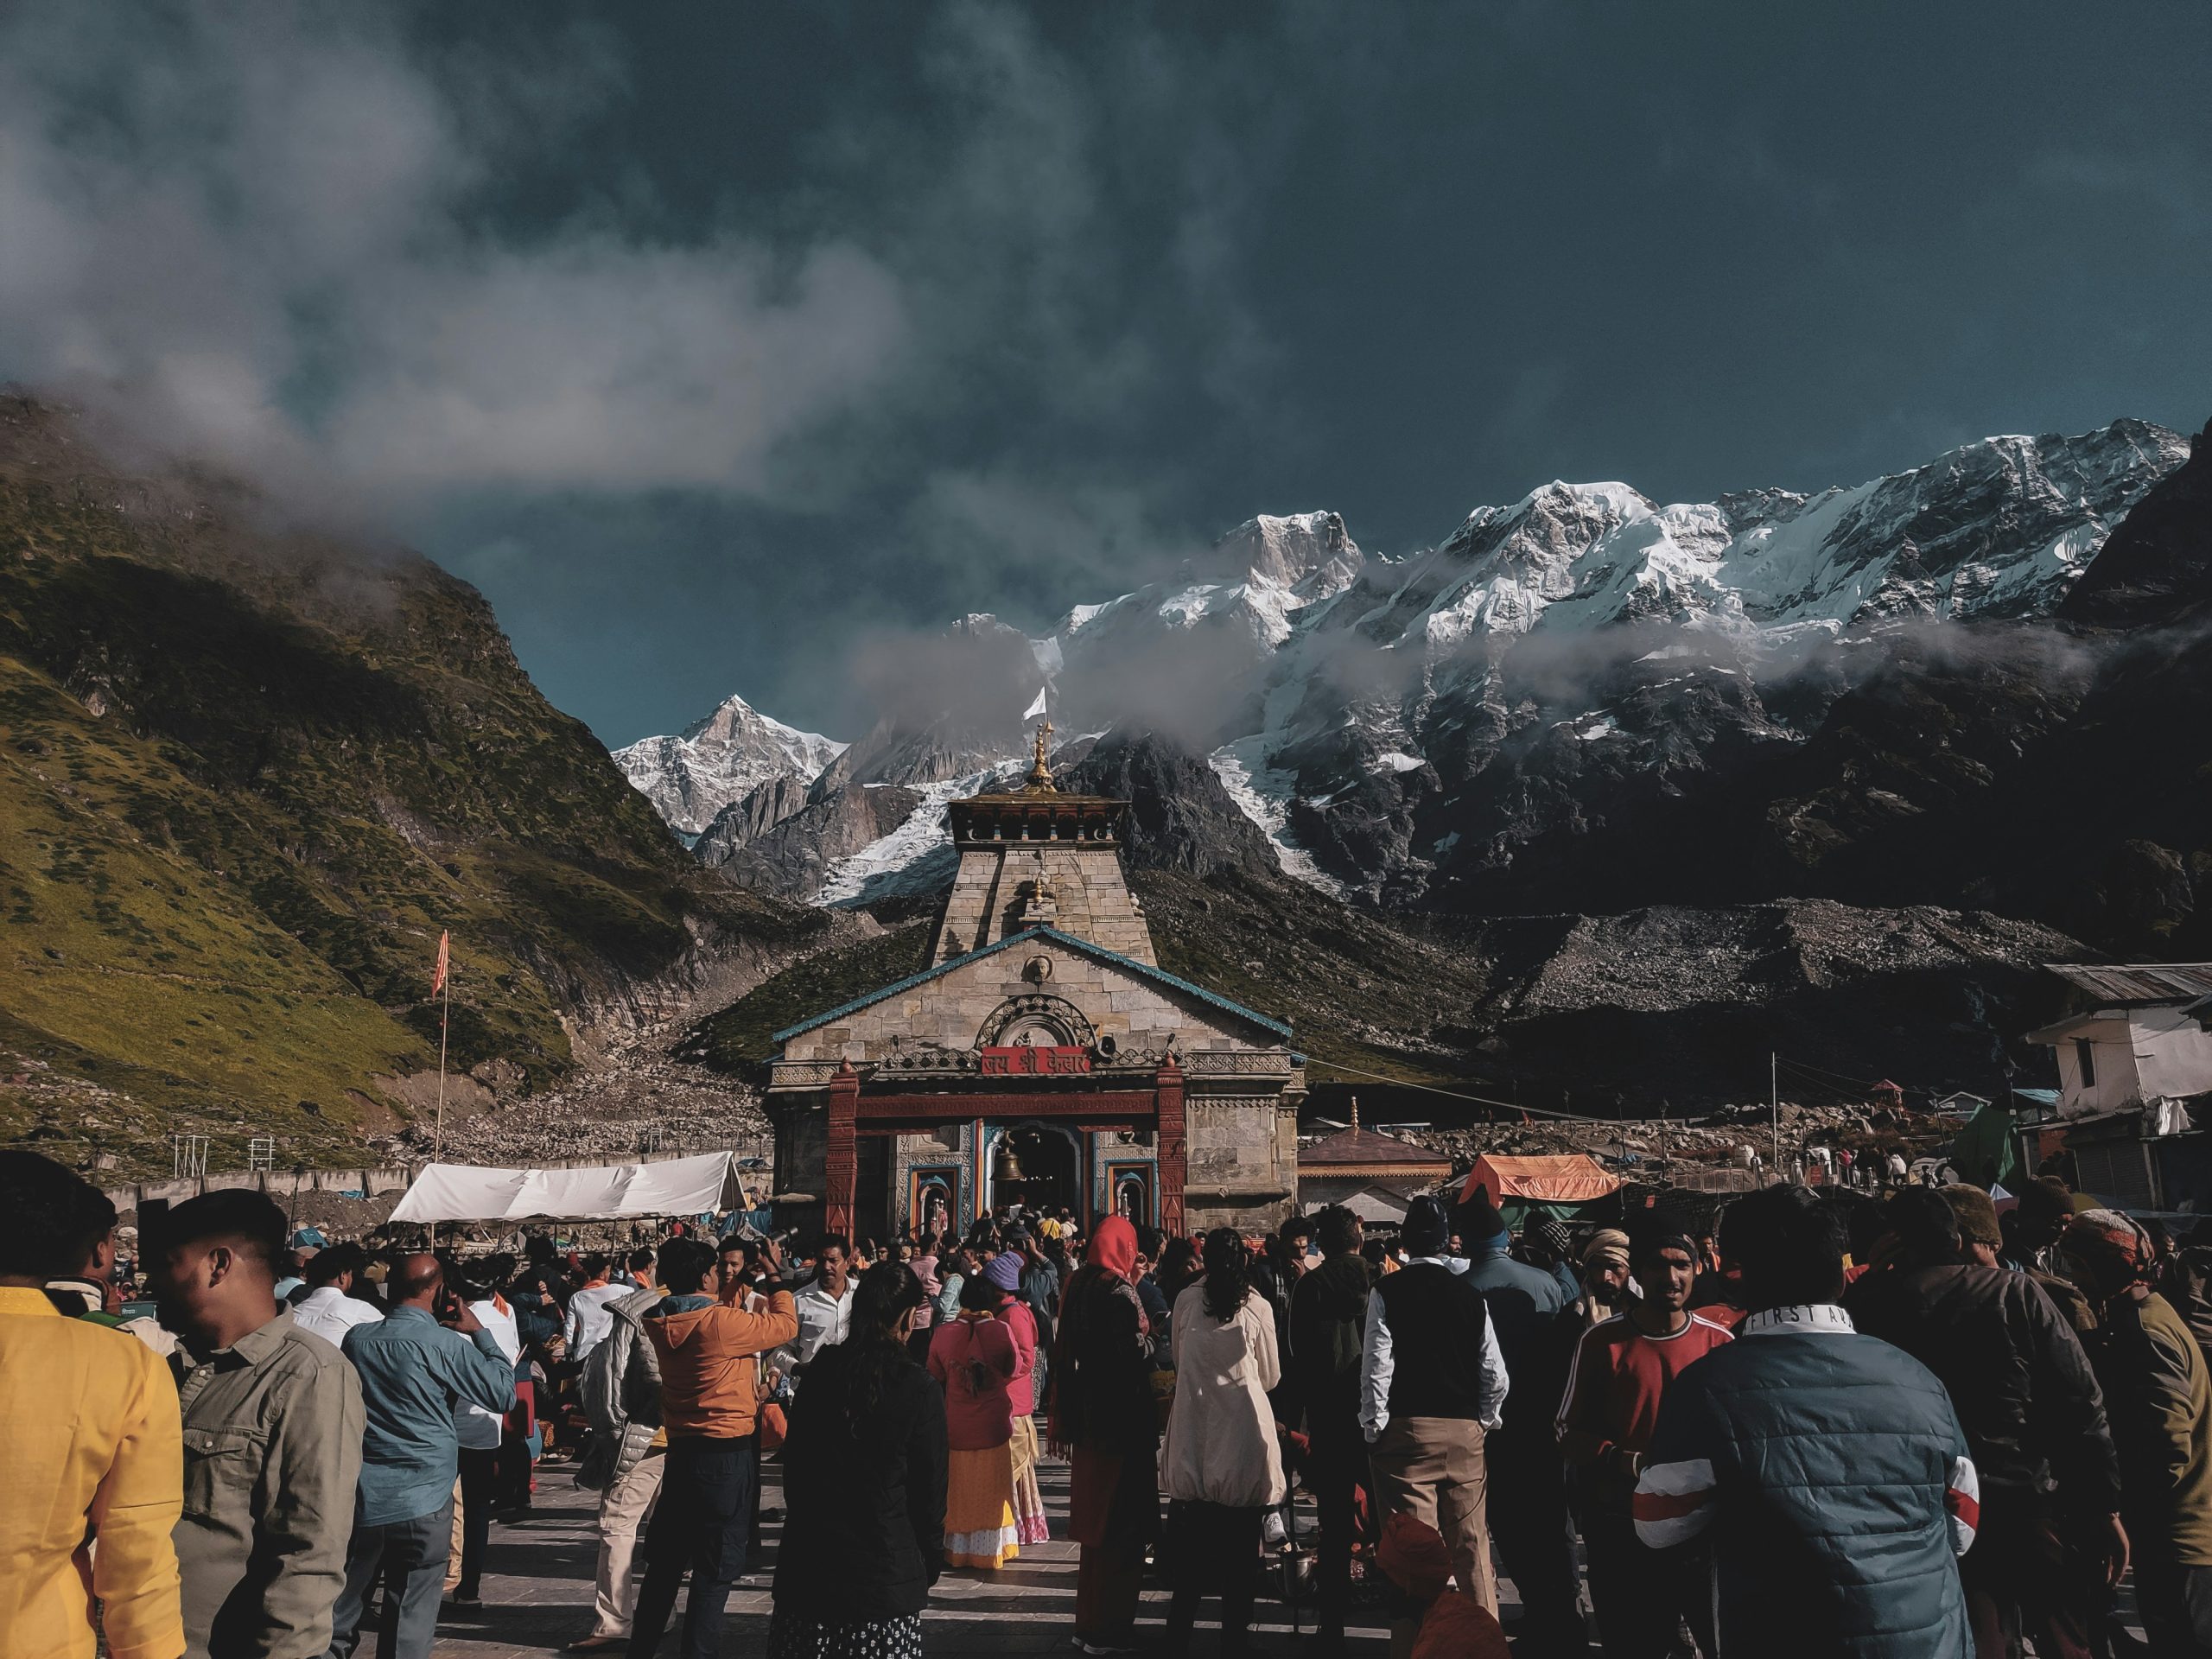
1841, 1076
1479, 1100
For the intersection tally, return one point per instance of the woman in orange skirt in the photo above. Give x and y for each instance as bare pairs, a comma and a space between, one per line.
973, 1357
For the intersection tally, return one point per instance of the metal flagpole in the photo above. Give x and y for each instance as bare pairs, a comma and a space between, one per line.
1775, 1089
445, 1019
445, 1024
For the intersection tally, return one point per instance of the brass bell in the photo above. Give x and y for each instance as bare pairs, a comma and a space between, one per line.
1007, 1166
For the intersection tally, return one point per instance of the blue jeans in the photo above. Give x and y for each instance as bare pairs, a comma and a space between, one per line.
409, 1557
702, 1521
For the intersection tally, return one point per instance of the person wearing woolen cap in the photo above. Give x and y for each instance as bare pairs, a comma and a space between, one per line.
1003, 1273
1546, 1244
1433, 1386
2024, 1396
1623, 1369
2160, 1396
1537, 1326
1979, 1237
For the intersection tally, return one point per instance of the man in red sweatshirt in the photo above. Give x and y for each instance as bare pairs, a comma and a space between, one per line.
1622, 1371
709, 1351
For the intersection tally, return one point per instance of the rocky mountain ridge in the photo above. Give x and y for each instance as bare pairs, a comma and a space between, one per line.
1462, 729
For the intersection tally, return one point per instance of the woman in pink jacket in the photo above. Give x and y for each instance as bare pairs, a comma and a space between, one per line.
1004, 1275
973, 1357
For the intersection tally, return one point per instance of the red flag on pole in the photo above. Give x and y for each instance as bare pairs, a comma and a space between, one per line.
445, 959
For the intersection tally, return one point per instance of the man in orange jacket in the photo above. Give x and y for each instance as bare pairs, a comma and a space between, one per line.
708, 1349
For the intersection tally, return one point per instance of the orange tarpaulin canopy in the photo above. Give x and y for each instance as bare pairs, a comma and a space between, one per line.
1566, 1178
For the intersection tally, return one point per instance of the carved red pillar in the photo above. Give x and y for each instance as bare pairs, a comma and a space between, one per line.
841, 1165
1167, 1101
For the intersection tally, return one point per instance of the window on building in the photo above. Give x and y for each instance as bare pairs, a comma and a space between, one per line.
2085, 1057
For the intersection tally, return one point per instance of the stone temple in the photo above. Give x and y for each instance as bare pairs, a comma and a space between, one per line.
1043, 1056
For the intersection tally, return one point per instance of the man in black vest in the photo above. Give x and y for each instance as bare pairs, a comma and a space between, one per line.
1432, 1384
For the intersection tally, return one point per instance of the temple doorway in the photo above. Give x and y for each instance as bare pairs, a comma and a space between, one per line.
1037, 1166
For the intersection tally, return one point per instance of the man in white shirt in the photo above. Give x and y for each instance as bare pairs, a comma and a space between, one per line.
329, 1309
1433, 1386
825, 1307
479, 1431
588, 1319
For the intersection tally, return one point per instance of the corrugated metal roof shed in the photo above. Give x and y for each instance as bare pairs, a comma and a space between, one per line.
2135, 982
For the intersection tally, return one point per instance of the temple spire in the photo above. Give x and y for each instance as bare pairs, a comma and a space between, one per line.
1355, 1114
1040, 774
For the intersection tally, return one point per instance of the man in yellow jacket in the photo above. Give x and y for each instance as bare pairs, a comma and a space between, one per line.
91, 1449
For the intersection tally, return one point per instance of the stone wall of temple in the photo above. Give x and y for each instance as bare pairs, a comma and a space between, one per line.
1242, 1160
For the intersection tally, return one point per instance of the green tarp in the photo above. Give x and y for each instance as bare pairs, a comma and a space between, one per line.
1987, 1152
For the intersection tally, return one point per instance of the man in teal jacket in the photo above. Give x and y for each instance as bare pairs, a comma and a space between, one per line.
1826, 1467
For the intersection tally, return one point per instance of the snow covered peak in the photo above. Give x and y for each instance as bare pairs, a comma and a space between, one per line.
2001, 527
719, 760
1309, 553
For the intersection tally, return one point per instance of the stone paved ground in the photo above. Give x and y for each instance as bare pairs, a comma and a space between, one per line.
538, 1591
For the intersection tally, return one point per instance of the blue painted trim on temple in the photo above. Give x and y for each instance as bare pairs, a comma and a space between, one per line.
1143, 969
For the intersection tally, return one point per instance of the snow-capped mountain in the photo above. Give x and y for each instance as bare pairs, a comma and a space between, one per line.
720, 760
1422, 729
1996, 529
1429, 729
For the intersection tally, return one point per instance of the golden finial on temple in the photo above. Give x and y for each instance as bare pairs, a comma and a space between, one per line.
1041, 775
1355, 1114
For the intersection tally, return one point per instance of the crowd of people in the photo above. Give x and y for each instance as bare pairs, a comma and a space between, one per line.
1830, 1424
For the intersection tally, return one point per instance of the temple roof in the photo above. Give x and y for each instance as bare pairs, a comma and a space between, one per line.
1356, 1149
1098, 953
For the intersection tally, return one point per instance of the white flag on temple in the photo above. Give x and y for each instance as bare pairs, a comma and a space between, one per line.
1036, 707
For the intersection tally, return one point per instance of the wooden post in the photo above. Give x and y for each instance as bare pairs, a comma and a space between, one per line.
1172, 1155
841, 1164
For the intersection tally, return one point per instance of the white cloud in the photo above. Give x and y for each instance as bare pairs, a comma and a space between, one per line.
258, 233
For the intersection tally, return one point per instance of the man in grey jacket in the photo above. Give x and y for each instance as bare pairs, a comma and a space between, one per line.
621, 1392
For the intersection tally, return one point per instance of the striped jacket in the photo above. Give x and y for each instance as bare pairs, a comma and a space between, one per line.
1830, 1475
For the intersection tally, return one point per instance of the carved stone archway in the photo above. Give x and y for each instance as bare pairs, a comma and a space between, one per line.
1049, 1021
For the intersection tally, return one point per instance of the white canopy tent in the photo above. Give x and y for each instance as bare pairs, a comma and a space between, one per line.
674, 1186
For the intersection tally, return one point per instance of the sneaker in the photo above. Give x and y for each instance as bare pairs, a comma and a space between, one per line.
1106, 1645
596, 1643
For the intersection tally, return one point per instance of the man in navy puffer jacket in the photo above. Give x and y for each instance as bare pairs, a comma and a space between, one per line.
1827, 1467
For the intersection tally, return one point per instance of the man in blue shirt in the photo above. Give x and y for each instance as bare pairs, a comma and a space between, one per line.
430, 1355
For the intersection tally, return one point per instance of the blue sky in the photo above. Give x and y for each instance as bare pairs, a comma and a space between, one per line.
722, 345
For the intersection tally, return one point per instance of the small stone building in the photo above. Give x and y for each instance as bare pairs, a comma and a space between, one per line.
1357, 1163
1043, 1056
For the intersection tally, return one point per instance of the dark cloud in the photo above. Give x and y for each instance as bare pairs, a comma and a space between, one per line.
713, 340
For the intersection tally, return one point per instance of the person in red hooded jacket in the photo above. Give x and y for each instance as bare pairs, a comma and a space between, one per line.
1102, 1414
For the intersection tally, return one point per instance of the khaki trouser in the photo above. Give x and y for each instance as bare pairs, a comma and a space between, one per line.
623, 1508
1432, 1469
452, 1554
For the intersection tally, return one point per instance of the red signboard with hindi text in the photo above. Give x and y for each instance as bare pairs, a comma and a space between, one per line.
1032, 1060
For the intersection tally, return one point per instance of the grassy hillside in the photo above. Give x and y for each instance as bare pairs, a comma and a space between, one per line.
740, 1039
246, 777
